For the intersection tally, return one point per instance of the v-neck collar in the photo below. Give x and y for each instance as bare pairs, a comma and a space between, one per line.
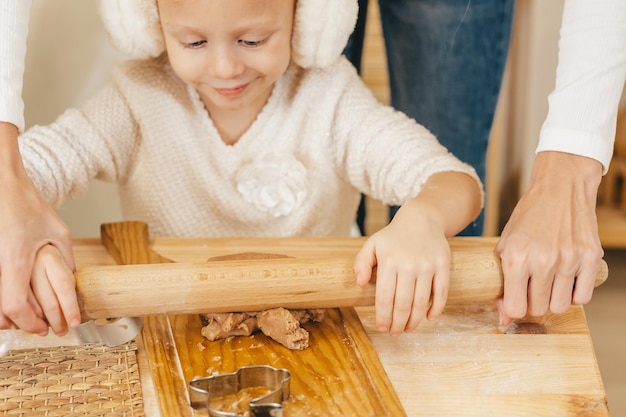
251, 136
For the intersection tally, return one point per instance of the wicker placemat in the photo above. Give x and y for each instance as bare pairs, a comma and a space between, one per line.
89, 380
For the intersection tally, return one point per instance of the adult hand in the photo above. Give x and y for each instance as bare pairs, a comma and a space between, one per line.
550, 248
27, 223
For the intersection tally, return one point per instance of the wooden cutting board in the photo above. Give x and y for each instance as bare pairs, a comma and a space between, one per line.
339, 374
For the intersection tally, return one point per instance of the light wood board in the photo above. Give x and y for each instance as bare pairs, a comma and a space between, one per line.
462, 364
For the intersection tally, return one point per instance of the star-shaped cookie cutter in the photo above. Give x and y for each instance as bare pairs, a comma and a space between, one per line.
269, 405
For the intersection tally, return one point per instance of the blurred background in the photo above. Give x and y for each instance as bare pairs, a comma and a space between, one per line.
69, 58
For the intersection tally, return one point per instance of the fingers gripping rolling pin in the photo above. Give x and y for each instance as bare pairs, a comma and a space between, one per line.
250, 285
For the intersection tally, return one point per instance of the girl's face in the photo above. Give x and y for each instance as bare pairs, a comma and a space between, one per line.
231, 51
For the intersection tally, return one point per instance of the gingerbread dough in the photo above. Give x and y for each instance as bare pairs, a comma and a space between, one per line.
280, 324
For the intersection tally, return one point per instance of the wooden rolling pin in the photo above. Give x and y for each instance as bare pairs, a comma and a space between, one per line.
250, 285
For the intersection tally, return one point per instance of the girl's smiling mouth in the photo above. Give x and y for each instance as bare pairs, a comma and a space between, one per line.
229, 92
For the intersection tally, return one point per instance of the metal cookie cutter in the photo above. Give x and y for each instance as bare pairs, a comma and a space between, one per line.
270, 405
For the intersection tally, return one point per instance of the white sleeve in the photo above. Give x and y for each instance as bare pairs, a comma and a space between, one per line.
589, 80
14, 16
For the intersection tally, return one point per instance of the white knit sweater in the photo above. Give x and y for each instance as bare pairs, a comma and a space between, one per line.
149, 131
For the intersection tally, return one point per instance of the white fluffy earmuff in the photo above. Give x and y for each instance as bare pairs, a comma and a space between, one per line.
321, 29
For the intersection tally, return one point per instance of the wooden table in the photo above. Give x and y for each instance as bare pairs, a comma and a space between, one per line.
462, 364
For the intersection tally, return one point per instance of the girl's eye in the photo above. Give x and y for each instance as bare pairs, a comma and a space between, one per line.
195, 45
250, 44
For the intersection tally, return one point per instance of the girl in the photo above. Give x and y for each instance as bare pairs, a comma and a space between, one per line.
243, 119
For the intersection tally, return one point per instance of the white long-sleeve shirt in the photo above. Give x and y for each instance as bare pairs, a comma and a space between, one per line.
14, 16
590, 78
321, 139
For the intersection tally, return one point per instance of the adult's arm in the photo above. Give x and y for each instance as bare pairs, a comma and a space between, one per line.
589, 80
27, 222
550, 248
13, 32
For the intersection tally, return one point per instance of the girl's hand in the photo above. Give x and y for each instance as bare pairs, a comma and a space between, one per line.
412, 258
54, 286
412, 255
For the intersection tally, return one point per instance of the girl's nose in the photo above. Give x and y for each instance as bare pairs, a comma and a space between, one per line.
224, 63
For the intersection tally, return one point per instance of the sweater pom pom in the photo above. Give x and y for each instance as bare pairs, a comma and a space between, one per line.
273, 182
